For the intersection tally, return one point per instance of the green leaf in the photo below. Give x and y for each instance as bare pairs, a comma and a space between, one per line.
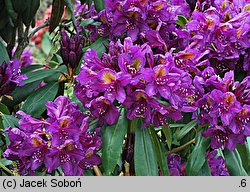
99, 5
198, 156
30, 11
56, 14
21, 93
112, 142
161, 157
244, 152
3, 54
46, 43
205, 170
4, 109
32, 67
144, 155
6, 162
35, 103
185, 130
98, 46
234, 163
9, 120
182, 20
168, 135
39, 75
86, 22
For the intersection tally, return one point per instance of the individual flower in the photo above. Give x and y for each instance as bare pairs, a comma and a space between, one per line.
176, 168
104, 110
217, 164
10, 76
140, 105
222, 137
112, 84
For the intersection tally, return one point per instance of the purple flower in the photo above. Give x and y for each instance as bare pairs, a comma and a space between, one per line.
104, 110
139, 105
112, 84
222, 137
132, 60
242, 91
29, 124
128, 17
241, 122
217, 164
227, 105
26, 59
10, 76
176, 168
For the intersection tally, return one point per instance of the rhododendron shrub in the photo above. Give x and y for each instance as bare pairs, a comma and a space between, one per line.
147, 87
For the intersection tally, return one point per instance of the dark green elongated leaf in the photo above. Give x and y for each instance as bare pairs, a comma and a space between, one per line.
30, 11
198, 156
234, 163
32, 67
21, 93
144, 155
9, 120
185, 130
168, 135
112, 141
4, 109
98, 46
39, 75
35, 103
56, 14
205, 170
161, 157
3, 54
99, 5
244, 153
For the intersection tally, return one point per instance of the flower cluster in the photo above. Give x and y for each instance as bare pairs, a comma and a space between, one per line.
10, 76
222, 27
153, 21
163, 69
224, 106
217, 164
61, 140
133, 76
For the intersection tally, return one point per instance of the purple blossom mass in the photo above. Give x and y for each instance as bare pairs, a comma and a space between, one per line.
61, 140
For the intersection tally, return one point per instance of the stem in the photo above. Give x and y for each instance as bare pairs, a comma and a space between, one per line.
175, 150
45, 24
97, 170
23, 44
6, 169
20, 30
